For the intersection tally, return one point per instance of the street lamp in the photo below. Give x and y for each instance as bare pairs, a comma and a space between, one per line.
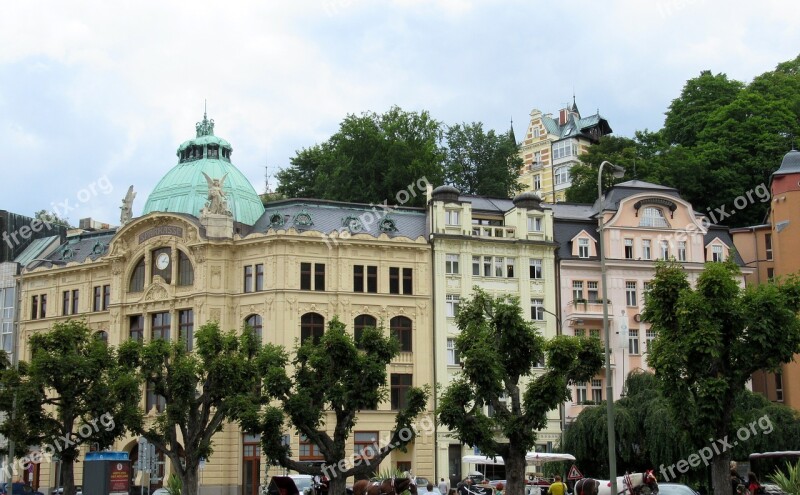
612, 454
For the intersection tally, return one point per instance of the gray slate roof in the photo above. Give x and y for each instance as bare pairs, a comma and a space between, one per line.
790, 163
329, 216
724, 235
88, 245
490, 205
629, 188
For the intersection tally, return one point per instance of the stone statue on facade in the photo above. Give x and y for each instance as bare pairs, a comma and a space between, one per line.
216, 204
126, 213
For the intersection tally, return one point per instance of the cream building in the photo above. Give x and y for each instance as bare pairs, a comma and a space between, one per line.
643, 222
286, 270
551, 147
505, 247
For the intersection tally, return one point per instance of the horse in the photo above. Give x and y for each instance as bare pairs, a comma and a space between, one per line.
390, 486
632, 484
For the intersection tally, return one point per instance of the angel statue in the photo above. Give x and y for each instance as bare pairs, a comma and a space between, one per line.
127, 207
216, 204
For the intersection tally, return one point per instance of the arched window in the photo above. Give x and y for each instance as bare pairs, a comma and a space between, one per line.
360, 323
312, 326
562, 175
400, 327
256, 324
653, 217
137, 277
185, 270
101, 335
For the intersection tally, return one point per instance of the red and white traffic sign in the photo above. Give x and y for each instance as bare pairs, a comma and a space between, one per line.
574, 474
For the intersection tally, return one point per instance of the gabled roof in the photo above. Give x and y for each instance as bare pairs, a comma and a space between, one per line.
626, 189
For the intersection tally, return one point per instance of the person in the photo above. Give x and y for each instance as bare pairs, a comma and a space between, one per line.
442, 486
466, 488
738, 486
752, 483
430, 488
499, 488
452, 491
557, 487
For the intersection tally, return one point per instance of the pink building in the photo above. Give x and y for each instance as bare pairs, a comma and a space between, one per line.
643, 223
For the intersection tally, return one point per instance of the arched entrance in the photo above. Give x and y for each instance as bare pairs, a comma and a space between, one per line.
137, 479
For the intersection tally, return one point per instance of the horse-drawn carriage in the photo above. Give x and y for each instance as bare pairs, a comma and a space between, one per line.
534, 485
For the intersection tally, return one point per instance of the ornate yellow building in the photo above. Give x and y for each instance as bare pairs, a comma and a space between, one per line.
206, 249
551, 146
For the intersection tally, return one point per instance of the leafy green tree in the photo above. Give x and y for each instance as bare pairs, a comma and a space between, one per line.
52, 218
370, 159
499, 350
710, 340
701, 96
482, 163
73, 392
220, 381
334, 379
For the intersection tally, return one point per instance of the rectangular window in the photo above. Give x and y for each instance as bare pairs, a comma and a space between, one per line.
65, 303
630, 294
358, 278
400, 384
778, 387
451, 264
98, 299
645, 249
628, 249
408, 281
186, 328
577, 290
8, 303
770, 273
716, 253
34, 307
592, 292
319, 276
580, 332
487, 266
536, 268
372, 279
364, 444
498, 266
452, 353
160, 326
106, 297
451, 302
563, 149
664, 250
305, 276
537, 182
136, 328
510, 263
75, 306
452, 217
649, 336
248, 278
7, 336
633, 341
43, 306
768, 245
537, 309
597, 391
476, 266
259, 277
681, 250
580, 392
394, 280
154, 401
309, 451
583, 248
534, 224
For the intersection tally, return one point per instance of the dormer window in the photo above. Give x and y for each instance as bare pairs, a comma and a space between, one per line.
387, 225
276, 220
303, 219
653, 217
353, 224
583, 248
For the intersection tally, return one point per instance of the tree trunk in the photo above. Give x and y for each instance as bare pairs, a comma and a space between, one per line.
189, 480
515, 471
336, 485
721, 473
68, 477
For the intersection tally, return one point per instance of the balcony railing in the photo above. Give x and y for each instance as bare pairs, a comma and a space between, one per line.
583, 308
493, 231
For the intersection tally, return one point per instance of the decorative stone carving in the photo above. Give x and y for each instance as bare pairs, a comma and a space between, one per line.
156, 292
215, 314
217, 203
126, 214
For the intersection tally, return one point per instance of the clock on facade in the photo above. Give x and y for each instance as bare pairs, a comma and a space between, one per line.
162, 262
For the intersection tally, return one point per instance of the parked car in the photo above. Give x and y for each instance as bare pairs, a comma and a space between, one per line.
60, 490
422, 482
675, 489
19, 489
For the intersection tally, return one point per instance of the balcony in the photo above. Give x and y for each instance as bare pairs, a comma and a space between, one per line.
582, 309
493, 231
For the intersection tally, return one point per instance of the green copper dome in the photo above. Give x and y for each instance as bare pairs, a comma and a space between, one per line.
184, 189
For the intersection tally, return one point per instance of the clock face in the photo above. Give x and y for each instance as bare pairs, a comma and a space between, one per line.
162, 262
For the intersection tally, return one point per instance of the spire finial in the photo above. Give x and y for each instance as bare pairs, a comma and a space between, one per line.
206, 126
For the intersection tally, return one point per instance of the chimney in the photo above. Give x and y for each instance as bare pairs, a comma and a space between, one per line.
562, 116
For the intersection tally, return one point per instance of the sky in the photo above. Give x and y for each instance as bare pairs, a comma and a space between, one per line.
96, 96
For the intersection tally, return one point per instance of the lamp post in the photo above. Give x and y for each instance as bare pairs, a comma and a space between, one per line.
612, 451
